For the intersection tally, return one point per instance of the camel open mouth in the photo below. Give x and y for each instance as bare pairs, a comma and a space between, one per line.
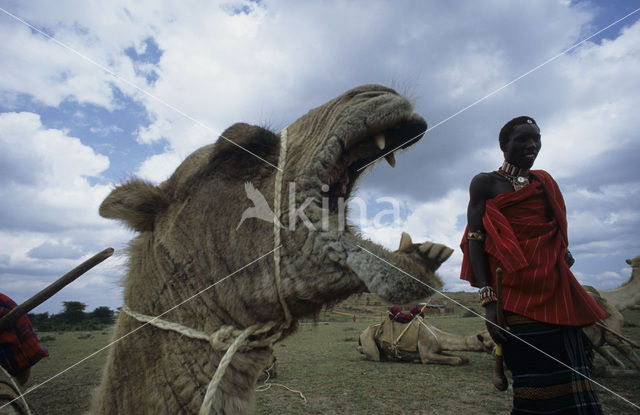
366, 150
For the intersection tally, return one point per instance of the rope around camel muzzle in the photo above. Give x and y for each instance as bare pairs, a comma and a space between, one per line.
228, 338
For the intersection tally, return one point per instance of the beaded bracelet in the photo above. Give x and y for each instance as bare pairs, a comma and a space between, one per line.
477, 235
487, 295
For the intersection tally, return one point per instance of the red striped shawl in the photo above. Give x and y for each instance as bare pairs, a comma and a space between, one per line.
526, 235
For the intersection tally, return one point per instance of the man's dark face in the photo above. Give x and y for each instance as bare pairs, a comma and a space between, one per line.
522, 147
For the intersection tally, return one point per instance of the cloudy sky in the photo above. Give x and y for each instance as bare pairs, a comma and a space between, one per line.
93, 93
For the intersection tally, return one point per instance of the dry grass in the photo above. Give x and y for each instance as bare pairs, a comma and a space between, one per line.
69, 392
321, 361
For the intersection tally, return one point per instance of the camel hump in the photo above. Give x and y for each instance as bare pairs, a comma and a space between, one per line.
403, 337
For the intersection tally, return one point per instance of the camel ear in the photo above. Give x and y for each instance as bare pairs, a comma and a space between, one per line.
405, 242
246, 147
136, 203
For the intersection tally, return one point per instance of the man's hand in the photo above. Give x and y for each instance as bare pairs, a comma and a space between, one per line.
568, 258
491, 314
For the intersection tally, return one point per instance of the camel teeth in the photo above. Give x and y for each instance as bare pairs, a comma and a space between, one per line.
380, 141
424, 248
391, 159
405, 242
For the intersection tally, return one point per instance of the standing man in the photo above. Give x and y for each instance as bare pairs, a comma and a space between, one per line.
517, 222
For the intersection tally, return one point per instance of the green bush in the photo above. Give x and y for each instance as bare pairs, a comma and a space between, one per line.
73, 318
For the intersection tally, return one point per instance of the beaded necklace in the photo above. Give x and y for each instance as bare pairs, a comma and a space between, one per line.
518, 178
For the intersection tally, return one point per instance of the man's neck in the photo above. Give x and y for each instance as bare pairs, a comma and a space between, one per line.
513, 171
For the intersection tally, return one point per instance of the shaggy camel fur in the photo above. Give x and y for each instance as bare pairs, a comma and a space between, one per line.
190, 241
10, 395
422, 342
605, 332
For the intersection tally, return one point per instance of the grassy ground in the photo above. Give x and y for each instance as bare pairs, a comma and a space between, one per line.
321, 361
69, 392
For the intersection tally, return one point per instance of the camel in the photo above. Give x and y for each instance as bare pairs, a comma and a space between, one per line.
204, 302
422, 342
608, 330
628, 294
418, 340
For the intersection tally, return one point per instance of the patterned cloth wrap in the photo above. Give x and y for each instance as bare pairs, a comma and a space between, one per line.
396, 314
19, 348
542, 385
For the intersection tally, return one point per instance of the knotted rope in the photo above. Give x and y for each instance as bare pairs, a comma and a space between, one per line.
226, 338
266, 385
221, 340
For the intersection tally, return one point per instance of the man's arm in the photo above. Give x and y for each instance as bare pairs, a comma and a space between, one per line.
480, 191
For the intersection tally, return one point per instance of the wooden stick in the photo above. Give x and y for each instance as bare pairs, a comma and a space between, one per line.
499, 379
618, 335
9, 319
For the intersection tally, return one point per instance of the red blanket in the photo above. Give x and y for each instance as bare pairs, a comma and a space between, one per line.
19, 348
526, 235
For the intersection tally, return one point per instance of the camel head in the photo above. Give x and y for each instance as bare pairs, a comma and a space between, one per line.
210, 226
635, 262
487, 342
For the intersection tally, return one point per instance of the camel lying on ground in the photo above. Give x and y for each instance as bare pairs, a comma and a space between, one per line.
422, 342
418, 340
608, 330
227, 283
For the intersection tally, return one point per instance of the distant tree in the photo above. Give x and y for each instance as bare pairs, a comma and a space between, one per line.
103, 314
38, 316
73, 311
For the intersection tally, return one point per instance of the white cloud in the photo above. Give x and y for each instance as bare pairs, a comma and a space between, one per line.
602, 222
64, 76
441, 221
598, 95
50, 220
607, 280
159, 167
50, 186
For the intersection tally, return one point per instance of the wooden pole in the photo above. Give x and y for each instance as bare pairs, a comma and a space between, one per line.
9, 319
618, 335
499, 379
